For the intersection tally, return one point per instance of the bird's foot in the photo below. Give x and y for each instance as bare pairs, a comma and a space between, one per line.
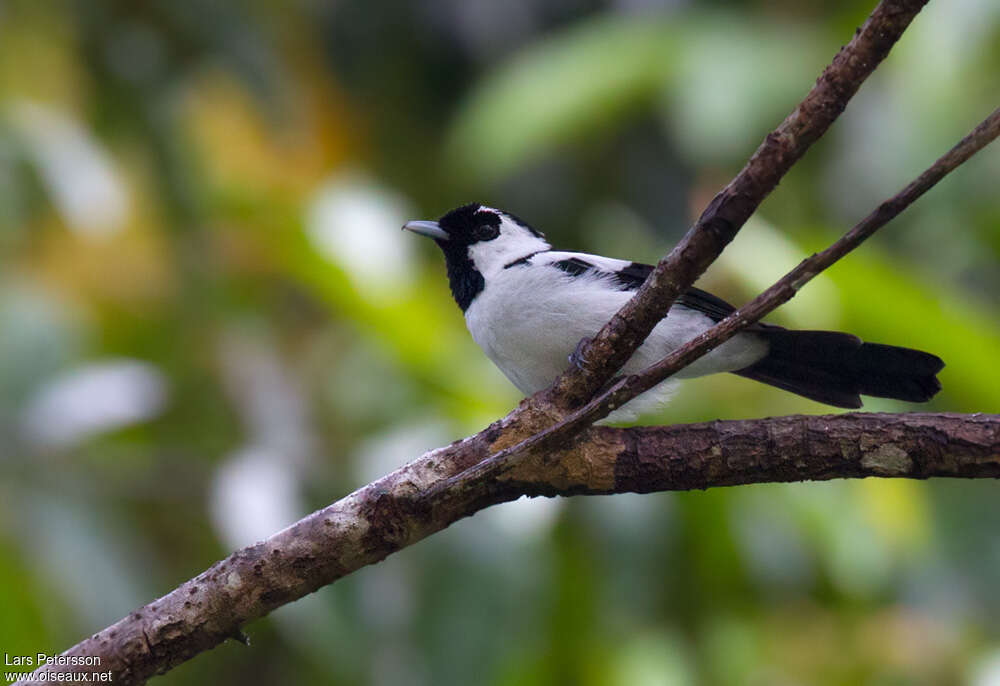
578, 358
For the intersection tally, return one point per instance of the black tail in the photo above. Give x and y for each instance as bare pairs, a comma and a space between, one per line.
835, 368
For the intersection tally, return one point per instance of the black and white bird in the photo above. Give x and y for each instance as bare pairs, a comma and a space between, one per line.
528, 306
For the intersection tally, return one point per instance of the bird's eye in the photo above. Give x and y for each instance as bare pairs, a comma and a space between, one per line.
486, 232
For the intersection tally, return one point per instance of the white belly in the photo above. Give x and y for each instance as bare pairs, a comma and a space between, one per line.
529, 324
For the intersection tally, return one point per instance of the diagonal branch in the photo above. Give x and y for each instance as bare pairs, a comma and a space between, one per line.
628, 387
612, 347
382, 517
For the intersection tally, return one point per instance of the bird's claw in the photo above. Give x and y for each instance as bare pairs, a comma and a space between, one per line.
578, 357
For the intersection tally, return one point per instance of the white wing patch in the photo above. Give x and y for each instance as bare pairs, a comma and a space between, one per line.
604, 264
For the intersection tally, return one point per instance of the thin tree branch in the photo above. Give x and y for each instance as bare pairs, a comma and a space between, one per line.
614, 345
392, 513
783, 290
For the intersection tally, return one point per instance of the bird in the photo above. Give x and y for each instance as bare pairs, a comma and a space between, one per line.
528, 307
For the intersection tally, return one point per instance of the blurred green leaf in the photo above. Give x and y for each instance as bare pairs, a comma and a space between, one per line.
736, 64
893, 303
561, 88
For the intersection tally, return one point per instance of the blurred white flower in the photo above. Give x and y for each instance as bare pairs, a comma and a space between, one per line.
257, 488
354, 221
986, 671
255, 493
93, 399
78, 172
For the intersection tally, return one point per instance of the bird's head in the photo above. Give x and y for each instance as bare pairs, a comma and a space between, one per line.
481, 238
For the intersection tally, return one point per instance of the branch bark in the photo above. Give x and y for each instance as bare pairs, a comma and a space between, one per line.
396, 511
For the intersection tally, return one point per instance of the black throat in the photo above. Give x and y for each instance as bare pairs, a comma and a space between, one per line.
465, 280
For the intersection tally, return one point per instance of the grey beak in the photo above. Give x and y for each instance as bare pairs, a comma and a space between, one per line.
425, 228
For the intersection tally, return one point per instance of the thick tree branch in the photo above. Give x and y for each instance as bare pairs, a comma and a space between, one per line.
396, 511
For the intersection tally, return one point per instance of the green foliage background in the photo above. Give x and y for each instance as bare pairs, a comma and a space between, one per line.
210, 325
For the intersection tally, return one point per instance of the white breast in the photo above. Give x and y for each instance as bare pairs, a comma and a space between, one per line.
529, 319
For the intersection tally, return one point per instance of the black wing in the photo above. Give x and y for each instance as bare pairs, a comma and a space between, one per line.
574, 266
633, 276
711, 305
